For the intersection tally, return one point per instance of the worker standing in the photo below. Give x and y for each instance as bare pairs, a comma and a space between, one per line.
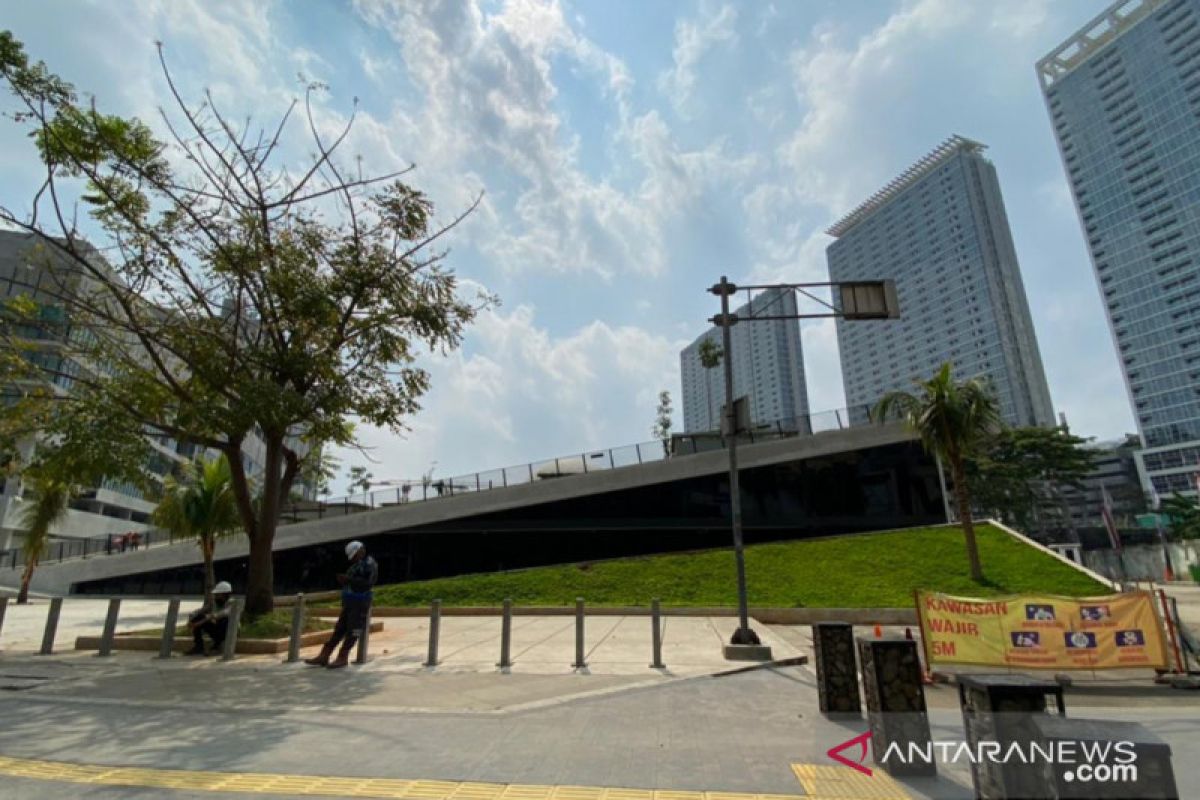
356, 606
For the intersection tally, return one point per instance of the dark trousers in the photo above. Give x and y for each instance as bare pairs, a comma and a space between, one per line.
216, 631
350, 622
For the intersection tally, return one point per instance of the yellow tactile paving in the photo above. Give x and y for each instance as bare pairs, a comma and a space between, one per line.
829, 782
819, 782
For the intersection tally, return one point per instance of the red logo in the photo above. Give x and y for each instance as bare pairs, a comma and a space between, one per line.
861, 740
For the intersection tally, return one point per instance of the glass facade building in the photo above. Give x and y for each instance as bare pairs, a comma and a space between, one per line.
940, 232
768, 367
1123, 95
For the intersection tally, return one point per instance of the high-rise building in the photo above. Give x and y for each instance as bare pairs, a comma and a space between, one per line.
1124, 99
768, 367
30, 270
940, 232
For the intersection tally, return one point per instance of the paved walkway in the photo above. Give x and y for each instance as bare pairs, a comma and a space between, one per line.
81, 726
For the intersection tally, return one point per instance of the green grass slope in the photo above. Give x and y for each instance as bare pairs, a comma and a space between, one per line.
864, 570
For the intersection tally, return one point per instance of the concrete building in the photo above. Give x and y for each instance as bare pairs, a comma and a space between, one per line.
1115, 472
768, 367
1123, 95
28, 269
940, 231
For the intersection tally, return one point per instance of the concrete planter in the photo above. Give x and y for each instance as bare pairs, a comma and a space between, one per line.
183, 644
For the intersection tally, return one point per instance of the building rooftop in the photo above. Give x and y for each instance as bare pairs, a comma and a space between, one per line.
931, 161
1092, 37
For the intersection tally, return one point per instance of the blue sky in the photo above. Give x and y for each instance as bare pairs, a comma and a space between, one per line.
630, 154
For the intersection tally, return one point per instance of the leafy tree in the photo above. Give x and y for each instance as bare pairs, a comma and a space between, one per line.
952, 419
360, 478
38, 515
662, 421
1017, 471
200, 505
244, 295
710, 358
1184, 516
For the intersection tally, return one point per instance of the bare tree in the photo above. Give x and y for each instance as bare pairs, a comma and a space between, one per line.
243, 296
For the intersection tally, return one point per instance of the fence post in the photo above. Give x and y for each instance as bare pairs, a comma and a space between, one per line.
506, 635
364, 641
435, 624
656, 635
297, 629
580, 663
231, 633
477, 488
51, 626
530, 472
110, 627
638, 447
585, 460
3, 611
611, 464
168, 635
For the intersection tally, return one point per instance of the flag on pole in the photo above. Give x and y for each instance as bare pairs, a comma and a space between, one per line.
1168, 570
1110, 522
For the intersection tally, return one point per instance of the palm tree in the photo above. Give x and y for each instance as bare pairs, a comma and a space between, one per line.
951, 420
200, 505
49, 506
710, 357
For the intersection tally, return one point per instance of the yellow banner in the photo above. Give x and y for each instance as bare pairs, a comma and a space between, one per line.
1118, 631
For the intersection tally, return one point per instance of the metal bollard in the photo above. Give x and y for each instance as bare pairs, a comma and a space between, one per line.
506, 636
110, 627
3, 611
579, 660
435, 624
231, 633
297, 629
364, 641
656, 635
51, 626
168, 634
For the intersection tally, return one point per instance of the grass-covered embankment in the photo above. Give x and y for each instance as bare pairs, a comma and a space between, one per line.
858, 571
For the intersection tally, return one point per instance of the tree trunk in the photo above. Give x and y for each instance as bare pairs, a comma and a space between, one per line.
260, 583
207, 546
26, 578
962, 495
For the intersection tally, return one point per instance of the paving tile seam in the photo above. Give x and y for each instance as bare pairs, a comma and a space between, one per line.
406, 789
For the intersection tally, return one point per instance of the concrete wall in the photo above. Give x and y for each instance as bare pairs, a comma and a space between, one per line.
1144, 561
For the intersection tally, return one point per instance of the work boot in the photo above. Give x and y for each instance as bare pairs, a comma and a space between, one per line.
321, 659
196, 651
343, 657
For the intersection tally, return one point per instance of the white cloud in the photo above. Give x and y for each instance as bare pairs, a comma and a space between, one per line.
516, 393
694, 38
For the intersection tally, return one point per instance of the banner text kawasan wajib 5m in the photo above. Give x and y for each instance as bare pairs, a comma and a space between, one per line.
1119, 631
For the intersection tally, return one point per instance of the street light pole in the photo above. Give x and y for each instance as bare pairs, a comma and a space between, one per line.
744, 634
856, 300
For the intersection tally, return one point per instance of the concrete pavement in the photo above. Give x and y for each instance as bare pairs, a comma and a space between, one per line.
541, 731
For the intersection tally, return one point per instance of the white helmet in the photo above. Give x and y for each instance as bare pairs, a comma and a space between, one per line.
353, 548
223, 588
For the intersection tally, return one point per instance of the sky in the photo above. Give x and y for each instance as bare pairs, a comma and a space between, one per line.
629, 154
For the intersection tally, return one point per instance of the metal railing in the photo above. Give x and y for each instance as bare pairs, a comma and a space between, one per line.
423, 490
